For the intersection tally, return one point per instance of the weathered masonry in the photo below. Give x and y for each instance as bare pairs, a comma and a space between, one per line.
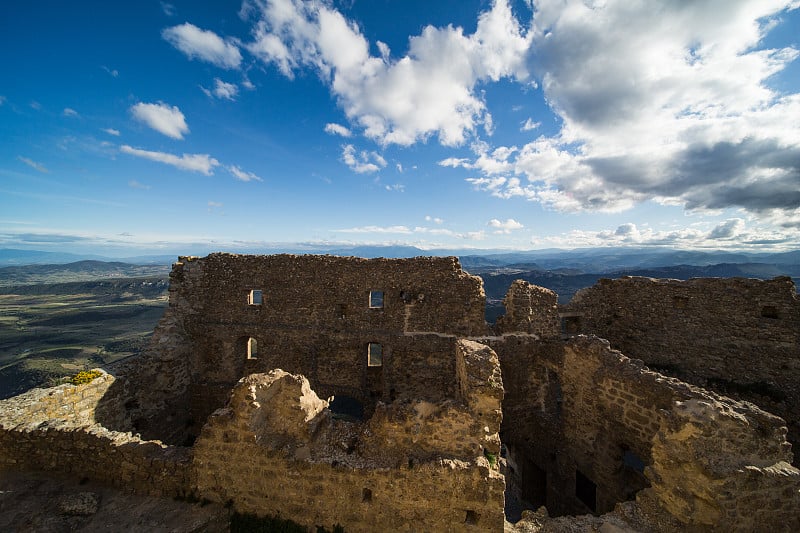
739, 337
371, 394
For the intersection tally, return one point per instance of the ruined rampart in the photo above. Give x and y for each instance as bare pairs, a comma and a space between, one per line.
56, 430
587, 428
319, 316
247, 366
740, 337
414, 466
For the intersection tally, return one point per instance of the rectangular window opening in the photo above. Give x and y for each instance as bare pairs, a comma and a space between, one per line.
769, 311
374, 354
472, 518
376, 299
632, 461
586, 490
252, 348
254, 298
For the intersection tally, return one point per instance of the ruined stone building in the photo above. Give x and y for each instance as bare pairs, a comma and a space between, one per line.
371, 394
739, 337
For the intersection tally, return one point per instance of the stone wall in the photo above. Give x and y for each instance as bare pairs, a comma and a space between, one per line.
587, 428
740, 337
530, 309
56, 430
315, 317
415, 465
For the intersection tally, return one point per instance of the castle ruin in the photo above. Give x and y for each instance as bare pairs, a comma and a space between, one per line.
371, 394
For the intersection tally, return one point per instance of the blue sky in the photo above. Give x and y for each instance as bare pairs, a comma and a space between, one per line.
176, 127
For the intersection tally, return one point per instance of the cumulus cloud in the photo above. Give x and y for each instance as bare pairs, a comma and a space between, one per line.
733, 234
703, 129
111, 131
435, 220
429, 91
337, 129
222, 90
241, 175
161, 117
34, 165
529, 125
504, 227
202, 163
69, 112
362, 162
727, 230
397, 187
205, 45
114, 73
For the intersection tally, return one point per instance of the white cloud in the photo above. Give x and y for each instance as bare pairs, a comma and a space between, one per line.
241, 175
455, 162
168, 9
133, 184
111, 131
69, 112
35, 105
362, 162
205, 45
733, 234
202, 163
337, 129
377, 229
435, 220
222, 90
397, 187
727, 230
702, 129
33, 164
429, 91
162, 118
504, 228
225, 90
529, 125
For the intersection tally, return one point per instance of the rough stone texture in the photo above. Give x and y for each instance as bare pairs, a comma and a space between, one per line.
55, 430
530, 309
740, 337
80, 504
585, 429
29, 502
580, 406
414, 466
315, 319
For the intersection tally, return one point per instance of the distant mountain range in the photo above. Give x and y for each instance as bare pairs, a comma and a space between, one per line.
583, 259
563, 271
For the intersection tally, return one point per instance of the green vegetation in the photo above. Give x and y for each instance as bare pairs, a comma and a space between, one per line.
491, 457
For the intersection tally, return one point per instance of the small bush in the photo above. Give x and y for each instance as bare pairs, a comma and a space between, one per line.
85, 376
491, 457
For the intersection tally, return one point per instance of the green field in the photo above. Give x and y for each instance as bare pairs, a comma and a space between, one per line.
49, 331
